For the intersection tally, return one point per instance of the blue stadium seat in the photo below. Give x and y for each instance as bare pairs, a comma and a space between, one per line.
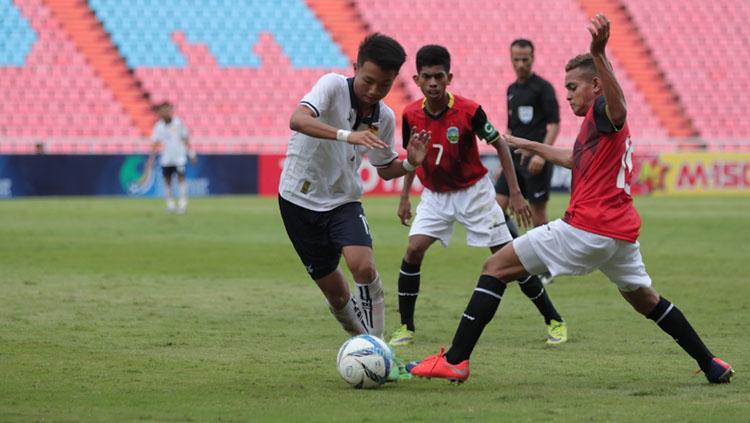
16, 34
229, 28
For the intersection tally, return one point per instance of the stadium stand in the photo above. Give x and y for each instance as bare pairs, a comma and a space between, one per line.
711, 80
235, 70
478, 33
49, 91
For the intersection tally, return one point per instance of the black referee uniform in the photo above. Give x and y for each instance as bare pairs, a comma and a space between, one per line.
531, 106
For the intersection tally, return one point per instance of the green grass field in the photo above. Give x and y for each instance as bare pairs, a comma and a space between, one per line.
111, 310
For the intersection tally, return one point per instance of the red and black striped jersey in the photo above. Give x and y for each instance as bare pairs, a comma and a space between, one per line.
452, 161
600, 200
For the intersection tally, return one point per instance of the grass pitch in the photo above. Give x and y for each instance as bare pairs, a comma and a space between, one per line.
111, 310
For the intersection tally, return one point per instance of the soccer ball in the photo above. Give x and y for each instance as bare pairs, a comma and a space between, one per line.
364, 361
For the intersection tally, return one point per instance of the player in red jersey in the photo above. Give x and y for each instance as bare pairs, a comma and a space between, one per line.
457, 188
599, 230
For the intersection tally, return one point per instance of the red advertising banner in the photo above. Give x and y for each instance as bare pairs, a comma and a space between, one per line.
269, 172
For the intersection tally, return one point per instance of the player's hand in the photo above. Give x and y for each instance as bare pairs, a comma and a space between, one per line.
520, 209
366, 139
404, 211
416, 150
520, 144
599, 34
536, 164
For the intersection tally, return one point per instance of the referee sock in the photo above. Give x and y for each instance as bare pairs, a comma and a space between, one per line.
671, 320
350, 317
534, 289
372, 302
512, 227
482, 307
408, 290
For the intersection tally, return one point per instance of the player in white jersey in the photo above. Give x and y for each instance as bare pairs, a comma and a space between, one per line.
336, 124
172, 135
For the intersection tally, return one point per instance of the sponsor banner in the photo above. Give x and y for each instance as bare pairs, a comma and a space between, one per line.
269, 173
32, 175
703, 173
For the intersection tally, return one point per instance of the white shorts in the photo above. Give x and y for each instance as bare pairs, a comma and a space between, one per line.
473, 207
561, 249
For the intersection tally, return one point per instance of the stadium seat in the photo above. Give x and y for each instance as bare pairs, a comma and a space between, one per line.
49, 80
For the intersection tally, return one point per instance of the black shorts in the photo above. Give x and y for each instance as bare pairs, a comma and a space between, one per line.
318, 237
168, 171
535, 188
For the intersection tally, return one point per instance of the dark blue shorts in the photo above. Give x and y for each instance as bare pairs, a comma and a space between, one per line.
318, 237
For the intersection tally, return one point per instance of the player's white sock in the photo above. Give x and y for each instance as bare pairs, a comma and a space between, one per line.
372, 301
350, 317
182, 202
170, 201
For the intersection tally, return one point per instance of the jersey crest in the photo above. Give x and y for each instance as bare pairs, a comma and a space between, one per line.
452, 135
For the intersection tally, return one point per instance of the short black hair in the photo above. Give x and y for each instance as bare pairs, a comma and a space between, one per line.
585, 62
433, 55
163, 104
523, 43
381, 50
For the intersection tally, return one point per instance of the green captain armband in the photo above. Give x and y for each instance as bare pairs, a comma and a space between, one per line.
488, 133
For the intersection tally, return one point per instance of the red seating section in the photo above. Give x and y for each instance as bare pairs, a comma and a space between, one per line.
232, 102
56, 94
478, 34
702, 47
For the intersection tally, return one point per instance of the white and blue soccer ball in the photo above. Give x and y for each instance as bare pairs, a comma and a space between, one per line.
364, 361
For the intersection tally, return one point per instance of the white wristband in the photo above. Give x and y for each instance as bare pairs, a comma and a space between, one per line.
408, 166
343, 135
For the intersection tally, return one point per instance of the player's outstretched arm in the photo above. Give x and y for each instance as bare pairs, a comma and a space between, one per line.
613, 95
518, 205
556, 155
416, 151
303, 120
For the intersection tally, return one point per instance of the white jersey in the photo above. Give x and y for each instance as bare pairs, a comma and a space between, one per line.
171, 136
322, 174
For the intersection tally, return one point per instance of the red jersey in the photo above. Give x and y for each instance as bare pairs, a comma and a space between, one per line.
452, 161
600, 200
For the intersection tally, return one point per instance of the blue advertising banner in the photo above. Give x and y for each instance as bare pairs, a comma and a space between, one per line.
31, 175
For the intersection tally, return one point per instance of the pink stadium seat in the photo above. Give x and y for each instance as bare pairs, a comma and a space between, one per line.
480, 51
701, 48
56, 94
50, 86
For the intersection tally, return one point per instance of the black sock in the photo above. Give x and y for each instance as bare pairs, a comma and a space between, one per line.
512, 227
534, 289
671, 320
482, 307
408, 290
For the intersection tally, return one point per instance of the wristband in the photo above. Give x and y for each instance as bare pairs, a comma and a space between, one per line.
408, 166
343, 135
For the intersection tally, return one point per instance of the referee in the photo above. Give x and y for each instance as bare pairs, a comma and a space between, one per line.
533, 113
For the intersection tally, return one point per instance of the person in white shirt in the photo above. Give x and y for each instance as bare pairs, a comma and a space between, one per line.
172, 135
338, 122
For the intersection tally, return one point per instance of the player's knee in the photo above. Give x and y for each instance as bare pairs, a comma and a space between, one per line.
414, 254
364, 271
496, 267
